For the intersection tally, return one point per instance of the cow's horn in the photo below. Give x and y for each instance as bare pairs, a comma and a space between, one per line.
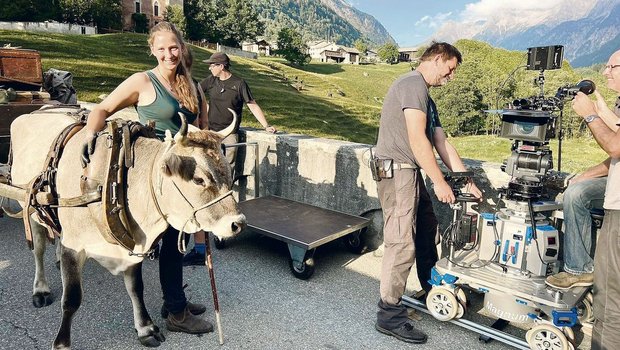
229, 129
178, 138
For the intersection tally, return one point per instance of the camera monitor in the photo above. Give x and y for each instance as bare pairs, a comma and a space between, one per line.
525, 125
545, 57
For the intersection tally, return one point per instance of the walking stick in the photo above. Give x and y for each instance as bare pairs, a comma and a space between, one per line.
216, 304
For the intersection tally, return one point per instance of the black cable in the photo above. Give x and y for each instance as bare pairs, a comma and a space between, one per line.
530, 206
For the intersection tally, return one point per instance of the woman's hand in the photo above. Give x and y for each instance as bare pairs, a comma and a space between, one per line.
88, 148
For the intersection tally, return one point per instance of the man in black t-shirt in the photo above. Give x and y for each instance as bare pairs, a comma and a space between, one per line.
224, 91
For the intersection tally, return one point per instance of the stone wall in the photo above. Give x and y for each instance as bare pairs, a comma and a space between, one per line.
335, 174
49, 27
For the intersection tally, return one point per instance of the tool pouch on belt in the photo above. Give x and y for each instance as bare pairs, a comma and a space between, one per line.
381, 168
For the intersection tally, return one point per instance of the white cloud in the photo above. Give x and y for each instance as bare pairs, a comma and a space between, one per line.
529, 11
502, 17
435, 21
485, 9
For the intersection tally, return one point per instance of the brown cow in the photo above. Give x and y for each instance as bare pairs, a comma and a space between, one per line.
184, 182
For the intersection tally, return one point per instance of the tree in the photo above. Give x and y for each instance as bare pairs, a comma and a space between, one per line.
29, 10
140, 22
174, 14
240, 22
388, 53
106, 14
292, 47
101, 13
201, 16
362, 46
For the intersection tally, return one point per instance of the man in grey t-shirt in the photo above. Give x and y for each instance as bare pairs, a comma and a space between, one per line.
408, 131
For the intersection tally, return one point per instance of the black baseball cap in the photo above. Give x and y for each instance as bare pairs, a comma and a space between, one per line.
218, 58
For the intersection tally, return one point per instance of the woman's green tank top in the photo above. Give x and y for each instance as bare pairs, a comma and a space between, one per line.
164, 110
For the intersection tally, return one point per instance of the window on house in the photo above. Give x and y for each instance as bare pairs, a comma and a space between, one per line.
138, 6
156, 8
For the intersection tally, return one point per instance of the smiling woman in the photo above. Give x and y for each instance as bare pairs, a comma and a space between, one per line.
160, 94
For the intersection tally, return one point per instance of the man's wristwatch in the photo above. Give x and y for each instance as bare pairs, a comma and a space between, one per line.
589, 119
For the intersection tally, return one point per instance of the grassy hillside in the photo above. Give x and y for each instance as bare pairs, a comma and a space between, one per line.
336, 101
100, 62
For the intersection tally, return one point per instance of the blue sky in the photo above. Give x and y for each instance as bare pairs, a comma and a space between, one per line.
411, 22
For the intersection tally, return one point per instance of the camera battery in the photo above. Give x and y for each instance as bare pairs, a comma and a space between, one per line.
469, 223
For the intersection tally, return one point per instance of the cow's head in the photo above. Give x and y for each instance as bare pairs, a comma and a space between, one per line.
196, 186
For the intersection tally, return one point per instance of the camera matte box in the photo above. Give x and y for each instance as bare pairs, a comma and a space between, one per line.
545, 57
525, 125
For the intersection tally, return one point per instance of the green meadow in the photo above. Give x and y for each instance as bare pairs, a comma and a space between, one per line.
324, 100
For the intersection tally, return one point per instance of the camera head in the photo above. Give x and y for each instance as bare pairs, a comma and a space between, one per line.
586, 86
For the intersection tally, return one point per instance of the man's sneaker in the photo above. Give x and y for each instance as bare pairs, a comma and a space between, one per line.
195, 309
185, 322
565, 280
406, 333
193, 258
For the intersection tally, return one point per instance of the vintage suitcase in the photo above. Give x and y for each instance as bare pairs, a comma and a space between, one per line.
20, 66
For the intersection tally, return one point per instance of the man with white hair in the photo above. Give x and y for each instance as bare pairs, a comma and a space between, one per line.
606, 332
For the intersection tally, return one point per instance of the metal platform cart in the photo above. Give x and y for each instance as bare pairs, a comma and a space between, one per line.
303, 227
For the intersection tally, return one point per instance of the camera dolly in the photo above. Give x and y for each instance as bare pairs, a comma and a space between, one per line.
505, 257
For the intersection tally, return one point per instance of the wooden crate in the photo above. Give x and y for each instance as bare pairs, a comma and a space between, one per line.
20, 66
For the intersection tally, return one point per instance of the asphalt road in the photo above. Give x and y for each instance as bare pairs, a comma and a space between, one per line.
263, 306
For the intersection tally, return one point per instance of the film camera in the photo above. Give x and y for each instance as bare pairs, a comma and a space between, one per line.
531, 123
531, 156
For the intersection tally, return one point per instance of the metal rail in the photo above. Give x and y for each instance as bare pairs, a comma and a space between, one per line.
472, 326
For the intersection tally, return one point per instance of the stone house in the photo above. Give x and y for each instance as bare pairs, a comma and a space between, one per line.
325, 51
153, 9
407, 54
260, 46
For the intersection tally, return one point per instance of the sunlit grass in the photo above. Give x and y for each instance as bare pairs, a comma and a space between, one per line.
336, 101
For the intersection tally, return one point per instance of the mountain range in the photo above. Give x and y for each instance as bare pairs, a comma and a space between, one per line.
586, 39
588, 30
333, 20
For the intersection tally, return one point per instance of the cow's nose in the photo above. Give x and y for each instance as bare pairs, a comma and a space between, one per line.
238, 225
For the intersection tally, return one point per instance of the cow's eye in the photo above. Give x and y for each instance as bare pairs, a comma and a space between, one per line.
198, 181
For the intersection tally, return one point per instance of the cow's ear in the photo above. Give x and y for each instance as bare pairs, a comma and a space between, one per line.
171, 164
175, 165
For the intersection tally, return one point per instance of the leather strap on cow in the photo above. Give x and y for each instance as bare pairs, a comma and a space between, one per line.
46, 182
113, 195
106, 174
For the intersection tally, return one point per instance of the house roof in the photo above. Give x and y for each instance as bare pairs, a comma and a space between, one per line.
408, 49
331, 53
257, 42
349, 49
319, 45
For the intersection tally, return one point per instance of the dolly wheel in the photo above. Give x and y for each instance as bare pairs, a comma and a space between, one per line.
220, 243
305, 271
442, 304
462, 301
355, 242
547, 337
570, 336
585, 314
